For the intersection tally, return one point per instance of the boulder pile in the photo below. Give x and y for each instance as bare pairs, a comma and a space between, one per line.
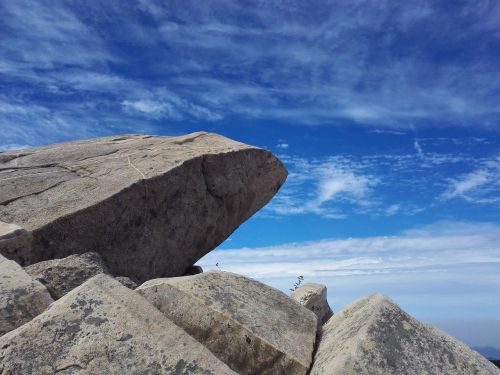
98, 245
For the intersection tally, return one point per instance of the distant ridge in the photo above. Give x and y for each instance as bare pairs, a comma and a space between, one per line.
489, 352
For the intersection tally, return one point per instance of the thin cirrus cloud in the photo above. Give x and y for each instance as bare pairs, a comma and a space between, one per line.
336, 187
429, 248
314, 185
480, 186
355, 62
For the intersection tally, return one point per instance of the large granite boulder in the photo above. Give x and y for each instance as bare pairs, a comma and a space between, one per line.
253, 328
21, 297
151, 206
60, 276
314, 297
102, 327
374, 336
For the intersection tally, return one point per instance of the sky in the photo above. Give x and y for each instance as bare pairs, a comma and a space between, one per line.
385, 113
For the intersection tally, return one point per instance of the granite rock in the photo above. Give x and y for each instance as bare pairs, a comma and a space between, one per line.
60, 276
102, 327
313, 297
253, 328
151, 206
21, 297
373, 336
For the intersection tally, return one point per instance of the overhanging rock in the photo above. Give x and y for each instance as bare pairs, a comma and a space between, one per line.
151, 206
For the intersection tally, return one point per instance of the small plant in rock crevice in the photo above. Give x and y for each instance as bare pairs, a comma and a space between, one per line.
298, 283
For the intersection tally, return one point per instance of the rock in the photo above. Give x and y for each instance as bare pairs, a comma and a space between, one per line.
151, 206
21, 297
126, 281
60, 276
193, 270
253, 328
313, 297
374, 336
102, 327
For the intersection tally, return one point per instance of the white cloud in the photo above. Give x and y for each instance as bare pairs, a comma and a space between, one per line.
148, 107
427, 248
469, 182
44, 36
384, 184
437, 250
418, 148
282, 146
393, 209
162, 103
334, 182
322, 186
480, 186
328, 73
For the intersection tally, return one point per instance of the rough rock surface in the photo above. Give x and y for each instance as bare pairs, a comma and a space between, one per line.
21, 297
253, 328
102, 327
60, 276
126, 281
151, 206
193, 270
313, 297
374, 336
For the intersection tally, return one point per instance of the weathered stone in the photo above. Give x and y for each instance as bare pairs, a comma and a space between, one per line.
102, 327
126, 281
151, 206
253, 328
374, 336
313, 297
193, 270
60, 276
21, 297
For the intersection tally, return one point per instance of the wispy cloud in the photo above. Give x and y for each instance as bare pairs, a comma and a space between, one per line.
45, 36
322, 186
389, 184
345, 64
418, 148
283, 145
432, 248
480, 186
392, 209
169, 106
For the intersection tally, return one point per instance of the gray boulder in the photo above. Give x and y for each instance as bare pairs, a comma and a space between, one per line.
374, 336
102, 327
314, 297
151, 206
193, 270
21, 297
60, 276
253, 328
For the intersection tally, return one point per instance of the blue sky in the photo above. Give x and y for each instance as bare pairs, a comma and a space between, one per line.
384, 112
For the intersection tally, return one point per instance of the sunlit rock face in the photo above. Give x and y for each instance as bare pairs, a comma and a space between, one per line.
374, 336
102, 327
253, 328
21, 297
